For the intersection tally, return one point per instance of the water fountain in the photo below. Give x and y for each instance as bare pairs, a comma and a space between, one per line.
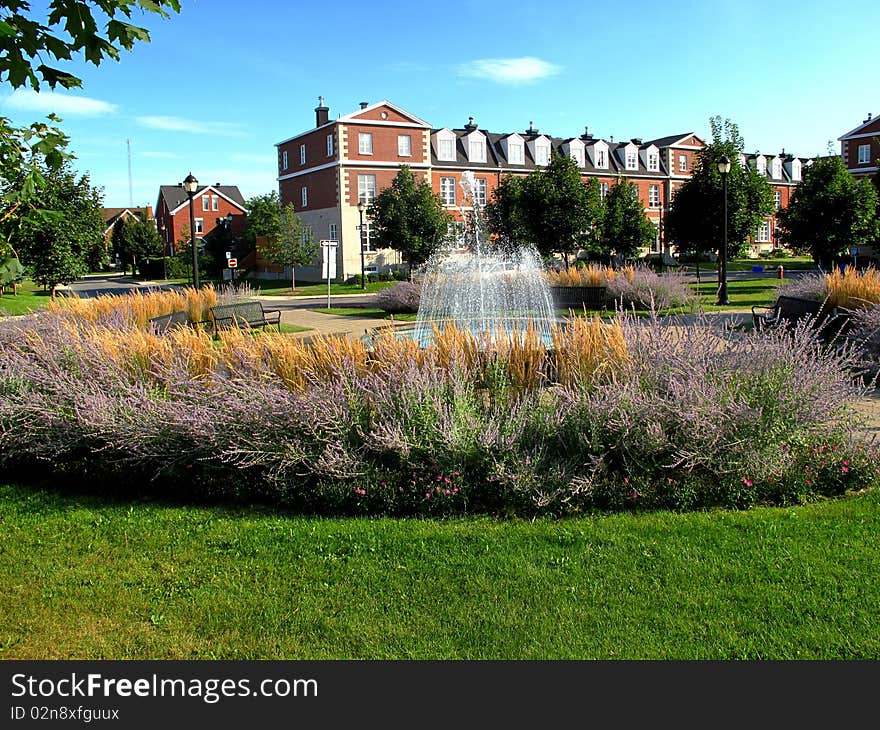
487, 287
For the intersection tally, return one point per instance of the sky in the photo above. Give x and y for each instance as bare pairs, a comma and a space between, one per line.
223, 82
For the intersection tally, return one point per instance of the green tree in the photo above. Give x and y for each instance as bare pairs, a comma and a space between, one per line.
27, 41
505, 212
134, 238
55, 241
695, 219
624, 227
263, 218
830, 211
290, 242
408, 216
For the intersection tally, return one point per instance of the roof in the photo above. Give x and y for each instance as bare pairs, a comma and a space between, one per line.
111, 214
670, 140
175, 195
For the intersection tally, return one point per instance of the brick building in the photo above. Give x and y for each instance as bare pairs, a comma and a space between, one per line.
860, 148
112, 215
212, 205
325, 171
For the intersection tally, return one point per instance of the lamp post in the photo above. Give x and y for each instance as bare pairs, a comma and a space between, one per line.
362, 206
164, 251
724, 169
190, 184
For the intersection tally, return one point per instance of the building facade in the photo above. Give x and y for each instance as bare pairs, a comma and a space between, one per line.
213, 205
860, 148
326, 171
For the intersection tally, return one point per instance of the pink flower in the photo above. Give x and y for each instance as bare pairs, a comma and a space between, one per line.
455, 474
447, 479
846, 463
845, 470
626, 480
747, 482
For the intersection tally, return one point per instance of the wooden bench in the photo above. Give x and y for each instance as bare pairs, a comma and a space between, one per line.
245, 315
787, 311
576, 297
164, 322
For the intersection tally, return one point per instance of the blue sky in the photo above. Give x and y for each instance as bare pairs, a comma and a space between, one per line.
216, 89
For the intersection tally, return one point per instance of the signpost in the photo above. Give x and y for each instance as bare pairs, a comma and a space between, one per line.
328, 264
231, 263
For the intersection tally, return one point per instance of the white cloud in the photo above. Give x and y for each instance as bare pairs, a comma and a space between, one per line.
191, 126
65, 104
509, 70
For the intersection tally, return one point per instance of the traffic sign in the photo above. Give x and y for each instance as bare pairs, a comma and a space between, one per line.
232, 263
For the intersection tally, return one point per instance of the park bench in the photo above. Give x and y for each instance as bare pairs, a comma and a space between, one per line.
245, 315
164, 322
787, 311
576, 297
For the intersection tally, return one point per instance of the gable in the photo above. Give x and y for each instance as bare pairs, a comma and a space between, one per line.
384, 111
871, 126
692, 141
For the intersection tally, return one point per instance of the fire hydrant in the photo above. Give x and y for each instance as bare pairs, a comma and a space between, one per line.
780, 272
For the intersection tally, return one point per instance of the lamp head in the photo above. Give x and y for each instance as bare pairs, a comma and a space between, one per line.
190, 184
724, 165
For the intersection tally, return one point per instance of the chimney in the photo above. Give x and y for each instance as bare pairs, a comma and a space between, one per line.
611, 139
636, 140
364, 104
531, 131
586, 134
470, 126
322, 113
868, 119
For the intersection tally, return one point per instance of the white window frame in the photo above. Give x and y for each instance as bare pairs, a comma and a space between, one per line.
447, 190
476, 150
305, 196
215, 202
577, 155
302, 154
481, 187
200, 226
762, 235
206, 203
654, 162
778, 195
366, 187
542, 155
332, 232
515, 154
601, 159
776, 167
446, 150
632, 160
682, 163
365, 143
305, 235
404, 145
284, 159
761, 166
864, 154
654, 195
603, 190
330, 143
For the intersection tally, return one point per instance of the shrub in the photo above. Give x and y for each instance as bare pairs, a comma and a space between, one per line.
401, 297
646, 289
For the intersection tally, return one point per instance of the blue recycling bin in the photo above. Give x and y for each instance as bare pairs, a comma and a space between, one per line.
758, 269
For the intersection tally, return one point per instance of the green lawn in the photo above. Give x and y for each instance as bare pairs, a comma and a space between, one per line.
281, 287
741, 294
790, 262
89, 578
30, 297
373, 312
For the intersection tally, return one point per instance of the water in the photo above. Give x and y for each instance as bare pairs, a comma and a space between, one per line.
485, 288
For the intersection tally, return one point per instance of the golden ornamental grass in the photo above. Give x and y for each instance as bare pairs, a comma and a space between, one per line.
852, 289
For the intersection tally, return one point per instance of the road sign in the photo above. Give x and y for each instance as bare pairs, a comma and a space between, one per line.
232, 263
328, 259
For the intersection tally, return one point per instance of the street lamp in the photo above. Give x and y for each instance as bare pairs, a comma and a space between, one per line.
190, 184
724, 169
362, 206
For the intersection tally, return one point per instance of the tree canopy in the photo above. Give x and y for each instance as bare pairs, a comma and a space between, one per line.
695, 218
290, 242
830, 211
624, 227
135, 238
408, 216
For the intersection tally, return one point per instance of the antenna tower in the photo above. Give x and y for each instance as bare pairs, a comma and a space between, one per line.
130, 193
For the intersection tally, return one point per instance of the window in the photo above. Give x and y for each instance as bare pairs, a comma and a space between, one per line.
601, 160
515, 154
306, 235
476, 150
446, 150
578, 156
653, 163
366, 187
205, 202
305, 197
542, 155
778, 199
777, 169
332, 232
284, 160
763, 233
632, 160
654, 196
302, 154
330, 147
404, 145
215, 203
864, 154
603, 190
682, 163
761, 164
447, 190
365, 143
366, 240
200, 225
480, 191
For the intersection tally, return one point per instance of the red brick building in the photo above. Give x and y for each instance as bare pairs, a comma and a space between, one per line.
112, 215
212, 205
325, 171
860, 148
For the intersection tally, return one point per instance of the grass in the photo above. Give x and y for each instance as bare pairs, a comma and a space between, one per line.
281, 287
293, 328
373, 312
741, 294
30, 297
791, 262
90, 578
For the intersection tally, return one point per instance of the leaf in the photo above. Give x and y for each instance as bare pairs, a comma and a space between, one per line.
6, 29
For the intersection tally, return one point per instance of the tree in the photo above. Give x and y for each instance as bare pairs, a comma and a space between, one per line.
134, 238
408, 216
624, 227
263, 218
830, 211
505, 213
71, 29
695, 218
290, 243
54, 242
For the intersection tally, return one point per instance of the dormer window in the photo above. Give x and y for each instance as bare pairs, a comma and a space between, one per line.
577, 155
601, 159
654, 162
632, 160
761, 165
796, 170
777, 168
446, 149
542, 154
476, 150
515, 154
